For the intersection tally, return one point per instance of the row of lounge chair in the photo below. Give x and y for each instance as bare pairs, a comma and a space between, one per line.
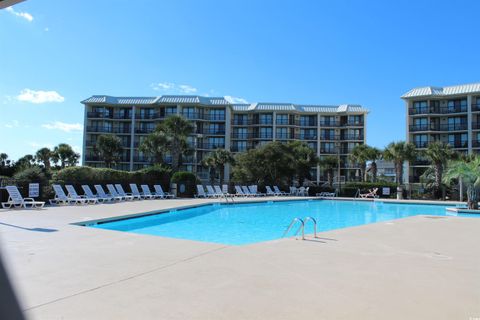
245, 191
115, 193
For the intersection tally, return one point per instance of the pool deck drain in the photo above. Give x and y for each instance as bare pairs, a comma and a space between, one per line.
415, 268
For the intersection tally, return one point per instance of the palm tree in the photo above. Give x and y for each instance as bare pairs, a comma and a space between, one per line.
109, 147
438, 153
399, 152
373, 155
303, 159
65, 154
359, 155
3, 159
176, 130
328, 164
44, 155
469, 172
154, 146
217, 160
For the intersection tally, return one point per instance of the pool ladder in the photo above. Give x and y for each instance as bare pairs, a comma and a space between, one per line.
227, 197
302, 222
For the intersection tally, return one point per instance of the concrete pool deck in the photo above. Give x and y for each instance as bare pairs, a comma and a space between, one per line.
414, 268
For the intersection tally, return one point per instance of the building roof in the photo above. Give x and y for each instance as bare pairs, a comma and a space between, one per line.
221, 101
442, 91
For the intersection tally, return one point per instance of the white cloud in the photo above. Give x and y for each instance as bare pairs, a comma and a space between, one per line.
185, 88
12, 124
67, 127
25, 15
35, 145
39, 96
235, 100
172, 87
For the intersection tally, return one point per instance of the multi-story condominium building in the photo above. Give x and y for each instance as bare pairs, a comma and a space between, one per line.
448, 114
329, 130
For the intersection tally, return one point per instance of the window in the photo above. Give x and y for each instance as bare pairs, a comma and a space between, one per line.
281, 133
217, 114
358, 119
240, 119
266, 133
282, 119
266, 118
170, 111
420, 106
215, 143
308, 134
327, 120
328, 147
188, 112
327, 134
457, 105
457, 123
308, 121
240, 133
420, 140
240, 146
217, 128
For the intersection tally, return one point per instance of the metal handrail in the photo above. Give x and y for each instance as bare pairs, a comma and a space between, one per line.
302, 227
314, 225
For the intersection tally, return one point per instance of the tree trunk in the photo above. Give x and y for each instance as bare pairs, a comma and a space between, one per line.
211, 172
222, 174
330, 178
472, 197
374, 171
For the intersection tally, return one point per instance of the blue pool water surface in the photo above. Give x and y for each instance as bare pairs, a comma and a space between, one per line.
256, 222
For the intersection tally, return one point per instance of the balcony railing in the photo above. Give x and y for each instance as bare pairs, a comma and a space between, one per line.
329, 124
308, 123
148, 116
353, 124
240, 122
437, 110
330, 137
328, 150
284, 136
218, 132
268, 136
203, 116
210, 146
108, 129
144, 130
357, 137
98, 158
436, 127
241, 136
307, 137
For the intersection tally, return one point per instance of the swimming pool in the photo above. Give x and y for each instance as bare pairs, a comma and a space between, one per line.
257, 222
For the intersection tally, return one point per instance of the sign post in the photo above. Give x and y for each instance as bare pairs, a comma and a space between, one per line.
33, 190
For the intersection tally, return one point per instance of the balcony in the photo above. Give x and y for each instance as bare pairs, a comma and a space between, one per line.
421, 144
353, 124
286, 122
122, 116
307, 137
236, 148
475, 125
144, 130
329, 124
284, 136
148, 116
241, 135
308, 123
475, 107
453, 127
100, 159
101, 129
476, 143
99, 115
459, 144
267, 136
437, 110
212, 132
356, 137
240, 122
329, 137
328, 150
211, 146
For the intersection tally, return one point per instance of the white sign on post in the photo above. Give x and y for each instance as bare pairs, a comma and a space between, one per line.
34, 190
386, 191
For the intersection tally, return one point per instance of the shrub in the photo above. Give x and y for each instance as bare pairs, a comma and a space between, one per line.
350, 189
186, 179
31, 175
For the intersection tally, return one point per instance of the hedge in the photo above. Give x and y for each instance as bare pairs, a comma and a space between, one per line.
186, 182
350, 189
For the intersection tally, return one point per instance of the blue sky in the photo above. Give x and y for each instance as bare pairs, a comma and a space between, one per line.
53, 54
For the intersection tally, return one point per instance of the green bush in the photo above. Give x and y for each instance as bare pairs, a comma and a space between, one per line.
351, 188
186, 182
31, 175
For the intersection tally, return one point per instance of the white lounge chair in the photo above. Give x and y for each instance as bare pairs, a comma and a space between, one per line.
101, 193
279, 192
72, 193
146, 191
219, 191
16, 200
159, 191
88, 192
239, 192
136, 193
270, 192
211, 192
325, 194
200, 192
225, 189
62, 198
301, 191
124, 194
247, 192
293, 191
254, 191
372, 193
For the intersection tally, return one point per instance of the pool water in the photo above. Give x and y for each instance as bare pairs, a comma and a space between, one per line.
256, 222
